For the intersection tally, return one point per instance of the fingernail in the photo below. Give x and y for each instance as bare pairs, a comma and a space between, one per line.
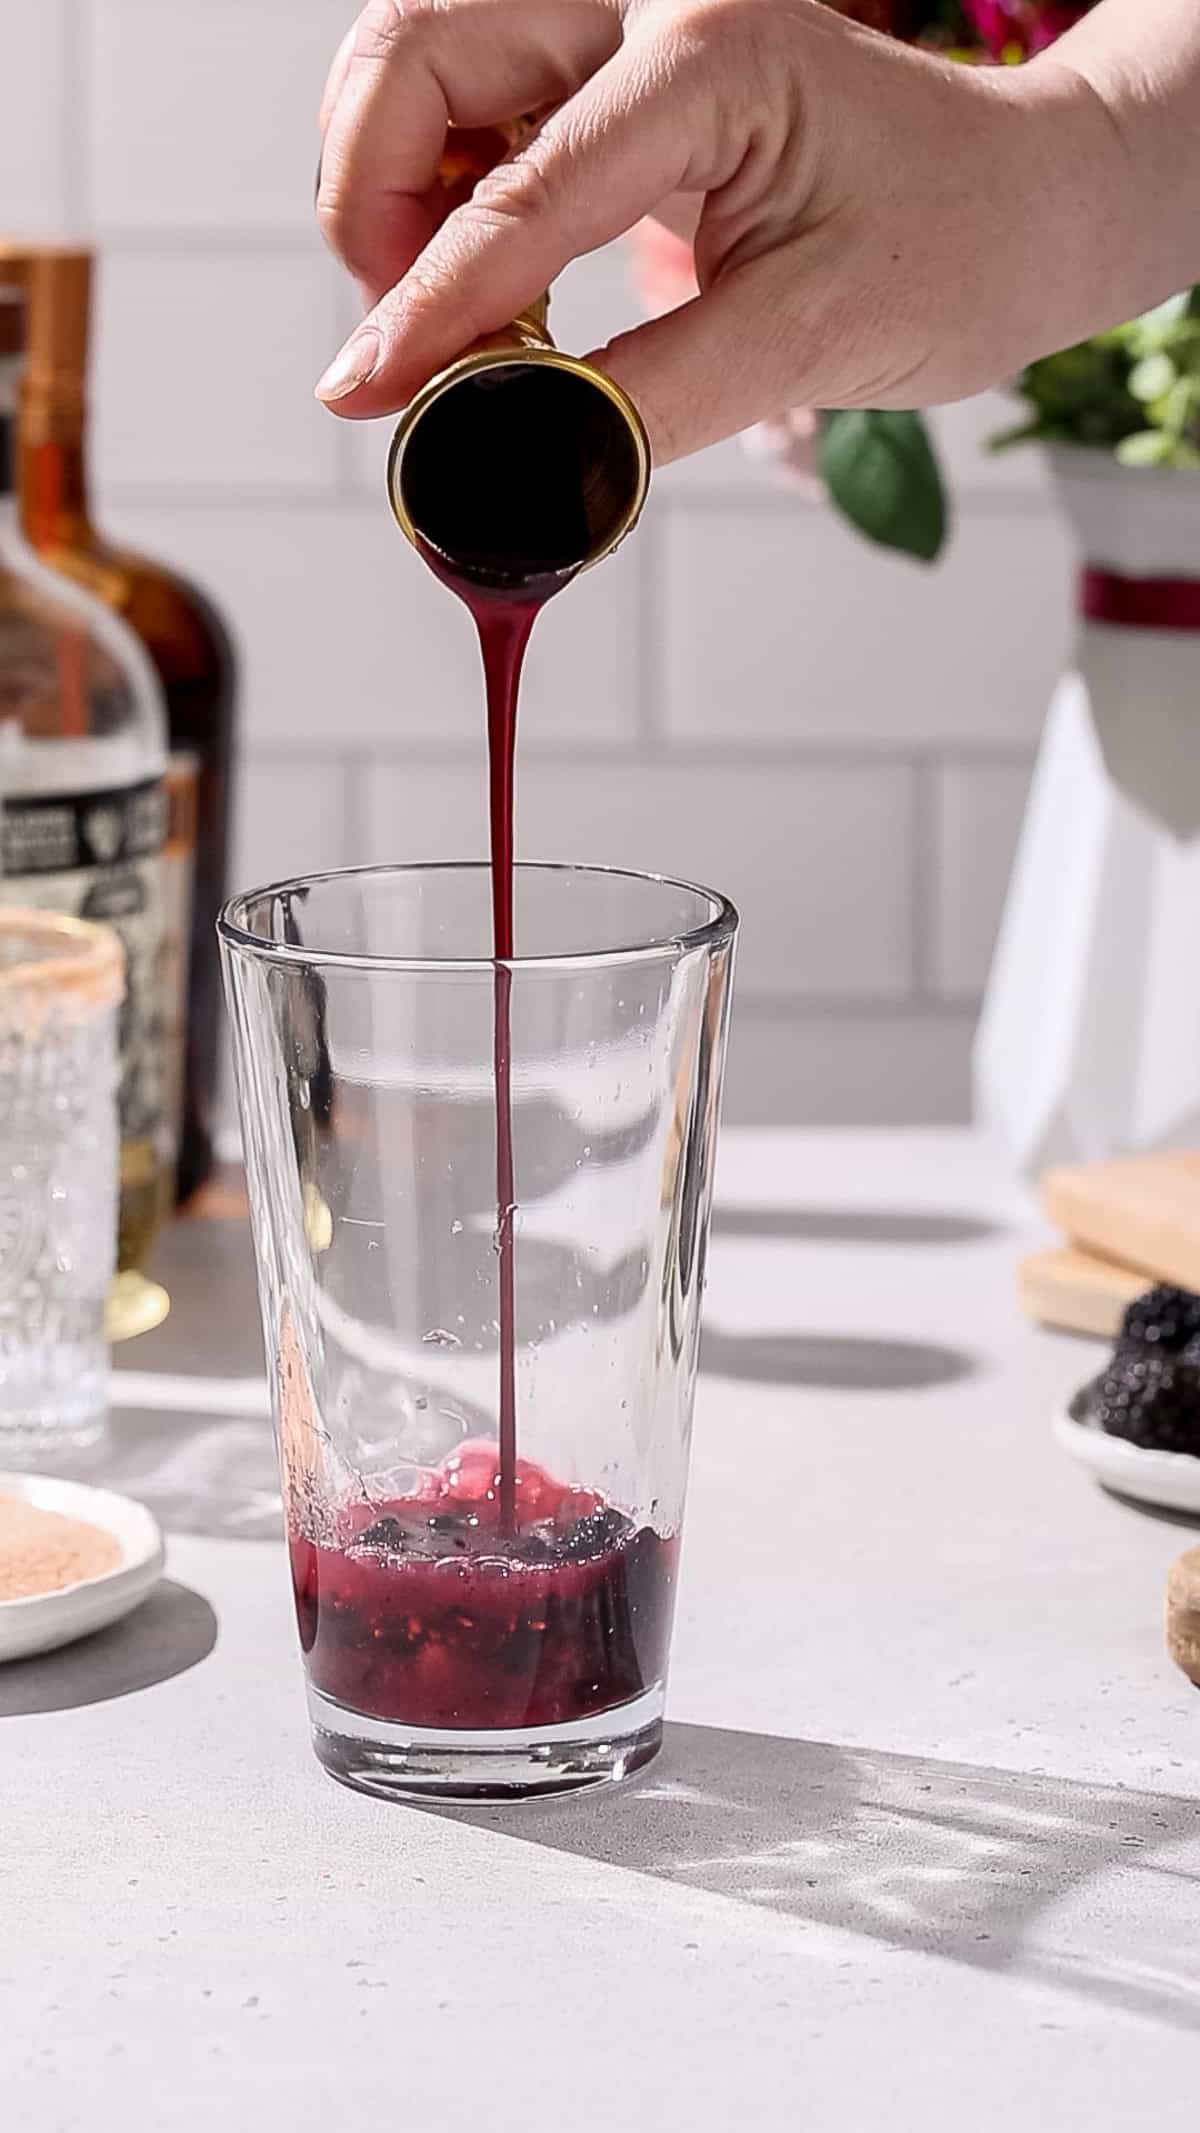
352, 366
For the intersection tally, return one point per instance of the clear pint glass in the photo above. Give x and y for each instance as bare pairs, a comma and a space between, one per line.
481, 1616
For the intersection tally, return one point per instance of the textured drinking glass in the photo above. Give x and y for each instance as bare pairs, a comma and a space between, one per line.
61, 981
471, 1626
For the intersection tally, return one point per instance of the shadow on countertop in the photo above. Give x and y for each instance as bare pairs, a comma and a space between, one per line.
998, 1869
212, 1475
172, 1630
830, 1362
213, 1328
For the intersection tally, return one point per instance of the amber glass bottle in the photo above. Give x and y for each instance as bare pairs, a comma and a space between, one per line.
184, 636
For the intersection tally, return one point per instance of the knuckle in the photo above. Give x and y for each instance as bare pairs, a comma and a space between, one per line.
386, 26
331, 215
718, 26
331, 202
338, 228
513, 194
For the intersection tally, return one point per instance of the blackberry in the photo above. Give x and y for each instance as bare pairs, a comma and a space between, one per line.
1165, 1319
1151, 1399
428, 1540
602, 1530
387, 1535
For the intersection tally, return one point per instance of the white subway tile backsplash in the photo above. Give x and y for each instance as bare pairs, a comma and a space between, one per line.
33, 136
594, 300
978, 817
204, 117
748, 693
973, 474
848, 1070
205, 365
780, 625
818, 860
291, 819
346, 634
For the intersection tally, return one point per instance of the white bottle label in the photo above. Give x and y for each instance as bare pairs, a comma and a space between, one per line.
98, 855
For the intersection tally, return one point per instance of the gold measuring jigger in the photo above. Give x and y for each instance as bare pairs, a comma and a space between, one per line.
519, 463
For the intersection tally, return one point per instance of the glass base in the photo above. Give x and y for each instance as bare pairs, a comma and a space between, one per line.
397, 1762
135, 1305
48, 1440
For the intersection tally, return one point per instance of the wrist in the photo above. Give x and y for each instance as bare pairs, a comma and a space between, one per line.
1103, 249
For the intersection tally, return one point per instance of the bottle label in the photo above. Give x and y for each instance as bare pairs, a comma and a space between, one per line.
98, 855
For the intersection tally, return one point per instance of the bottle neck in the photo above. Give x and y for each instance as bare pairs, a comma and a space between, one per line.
51, 471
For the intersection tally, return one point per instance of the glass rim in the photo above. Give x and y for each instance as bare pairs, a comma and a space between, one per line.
67, 956
713, 932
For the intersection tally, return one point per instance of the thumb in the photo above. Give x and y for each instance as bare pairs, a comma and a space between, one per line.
727, 359
603, 160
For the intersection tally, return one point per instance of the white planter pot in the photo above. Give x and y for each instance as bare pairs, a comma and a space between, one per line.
1089, 1041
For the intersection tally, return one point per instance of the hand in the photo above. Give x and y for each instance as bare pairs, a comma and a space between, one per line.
873, 226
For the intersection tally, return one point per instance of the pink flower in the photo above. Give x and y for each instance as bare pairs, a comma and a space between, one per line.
1015, 29
792, 443
664, 270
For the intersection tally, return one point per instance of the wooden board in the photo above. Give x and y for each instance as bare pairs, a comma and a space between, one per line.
1183, 1614
1139, 1211
1077, 1292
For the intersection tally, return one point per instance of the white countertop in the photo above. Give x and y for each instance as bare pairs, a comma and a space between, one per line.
923, 1851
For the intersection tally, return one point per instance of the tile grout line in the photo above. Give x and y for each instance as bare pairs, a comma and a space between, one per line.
703, 502
866, 1009
345, 484
171, 240
355, 825
75, 146
924, 874
648, 661
386, 754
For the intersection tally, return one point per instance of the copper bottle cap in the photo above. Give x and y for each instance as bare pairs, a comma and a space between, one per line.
57, 280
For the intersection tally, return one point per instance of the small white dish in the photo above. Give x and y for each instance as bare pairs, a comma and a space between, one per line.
1168, 1480
45, 1620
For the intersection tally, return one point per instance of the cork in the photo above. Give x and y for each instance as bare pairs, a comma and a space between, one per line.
1183, 1614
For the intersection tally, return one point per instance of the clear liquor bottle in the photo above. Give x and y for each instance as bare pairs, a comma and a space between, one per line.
83, 751
181, 629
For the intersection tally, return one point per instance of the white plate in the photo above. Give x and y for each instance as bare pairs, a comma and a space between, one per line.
48, 1619
1170, 1480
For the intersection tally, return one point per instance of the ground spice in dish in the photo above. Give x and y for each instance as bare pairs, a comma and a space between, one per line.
41, 1551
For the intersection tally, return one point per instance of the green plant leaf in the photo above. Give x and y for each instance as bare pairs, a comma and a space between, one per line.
1148, 448
1155, 329
882, 472
1153, 377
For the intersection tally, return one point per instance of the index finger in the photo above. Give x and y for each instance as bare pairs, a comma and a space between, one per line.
379, 155
409, 76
